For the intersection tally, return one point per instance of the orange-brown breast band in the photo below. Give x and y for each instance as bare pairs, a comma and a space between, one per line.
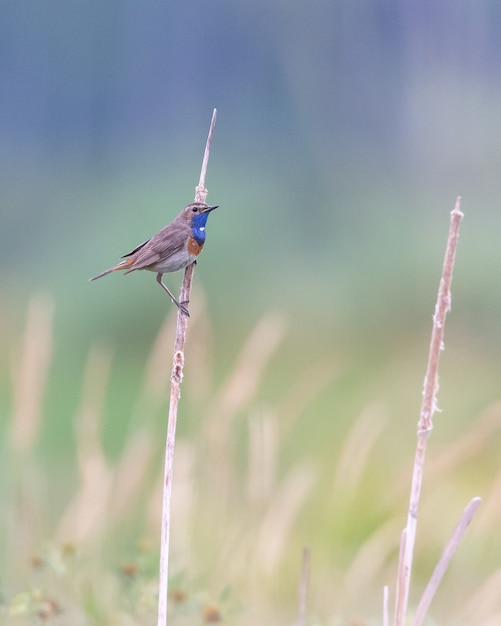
194, 247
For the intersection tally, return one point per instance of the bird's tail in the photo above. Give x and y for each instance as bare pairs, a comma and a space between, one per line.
121, 266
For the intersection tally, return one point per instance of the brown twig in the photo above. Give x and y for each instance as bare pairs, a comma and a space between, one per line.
175, 392
447, 554
428, 408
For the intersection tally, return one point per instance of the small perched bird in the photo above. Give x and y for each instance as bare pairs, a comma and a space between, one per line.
176, 246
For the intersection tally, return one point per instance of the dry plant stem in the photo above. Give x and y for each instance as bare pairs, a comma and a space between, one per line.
386, 613
175, 393
447, 554
399, 587
428, 408
303, 587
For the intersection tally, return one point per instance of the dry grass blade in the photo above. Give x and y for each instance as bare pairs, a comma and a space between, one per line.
175, 393
235, 395
281, 513
447, 554
30, 374
263, 457
358, 445
154, 374
369, 562
428, 408
399, 589
386, 612
244, 378
131, 473
304, 391
303, 587
85, 516
30, 366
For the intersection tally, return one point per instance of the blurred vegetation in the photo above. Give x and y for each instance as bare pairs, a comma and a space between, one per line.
345, 132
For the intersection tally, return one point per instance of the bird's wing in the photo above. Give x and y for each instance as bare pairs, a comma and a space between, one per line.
141, 245
167, 242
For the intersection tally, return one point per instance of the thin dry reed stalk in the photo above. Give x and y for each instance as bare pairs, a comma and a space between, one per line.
428, 408
175, 393
448, 553
386, 612
303, 587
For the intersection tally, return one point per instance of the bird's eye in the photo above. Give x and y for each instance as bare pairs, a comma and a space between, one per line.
194, 209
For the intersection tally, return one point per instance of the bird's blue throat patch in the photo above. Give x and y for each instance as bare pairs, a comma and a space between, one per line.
198, 223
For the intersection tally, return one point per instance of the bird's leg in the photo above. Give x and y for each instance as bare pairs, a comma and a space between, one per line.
179, 305
187, 301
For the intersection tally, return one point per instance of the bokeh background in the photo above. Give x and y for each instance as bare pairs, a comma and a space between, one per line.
345, 132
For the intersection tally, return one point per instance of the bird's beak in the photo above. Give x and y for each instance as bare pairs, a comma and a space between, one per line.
210, 208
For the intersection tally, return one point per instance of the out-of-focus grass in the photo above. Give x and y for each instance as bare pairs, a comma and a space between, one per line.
285, 439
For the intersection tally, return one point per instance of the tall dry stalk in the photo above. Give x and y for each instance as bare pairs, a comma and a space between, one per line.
175, 393
425, 425
447, 554
303, 587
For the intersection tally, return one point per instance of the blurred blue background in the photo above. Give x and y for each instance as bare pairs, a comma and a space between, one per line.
345, 131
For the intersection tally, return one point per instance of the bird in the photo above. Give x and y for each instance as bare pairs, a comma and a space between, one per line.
174, 247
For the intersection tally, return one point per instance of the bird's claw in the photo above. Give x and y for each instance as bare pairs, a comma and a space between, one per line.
181, 306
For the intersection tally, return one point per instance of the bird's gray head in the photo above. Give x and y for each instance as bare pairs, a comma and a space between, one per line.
196, 214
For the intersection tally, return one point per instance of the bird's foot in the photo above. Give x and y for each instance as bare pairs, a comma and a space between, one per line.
182, 307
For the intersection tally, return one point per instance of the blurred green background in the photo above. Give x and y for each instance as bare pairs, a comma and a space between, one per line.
345, 132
